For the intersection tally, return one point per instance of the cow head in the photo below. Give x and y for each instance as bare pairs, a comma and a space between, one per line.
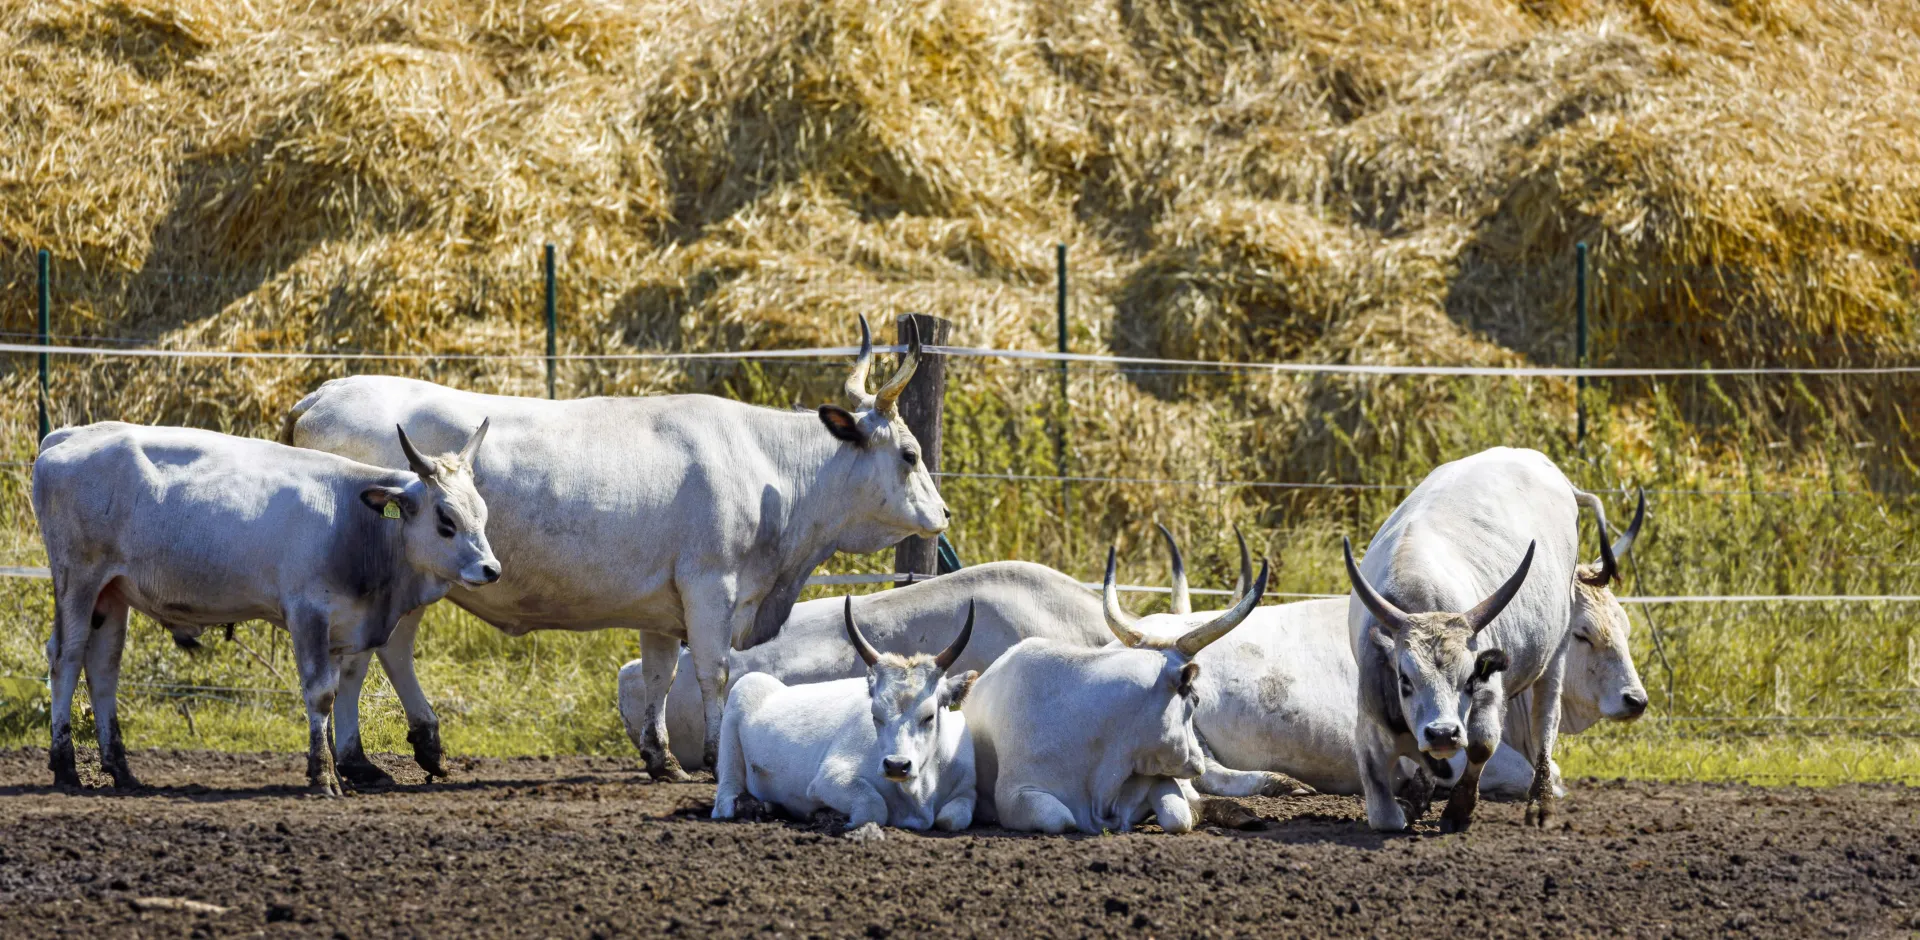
1176, 750
1602, 682
1436, 671
441, 516
889, 477
911, 697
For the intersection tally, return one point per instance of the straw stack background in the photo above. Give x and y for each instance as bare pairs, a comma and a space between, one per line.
1386, 182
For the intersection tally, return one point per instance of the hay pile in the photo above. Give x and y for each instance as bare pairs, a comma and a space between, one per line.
1383, 181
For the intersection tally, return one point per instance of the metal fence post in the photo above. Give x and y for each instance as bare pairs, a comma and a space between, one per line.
1066, 407
921, 406
553, 319
1580, 343
46, 339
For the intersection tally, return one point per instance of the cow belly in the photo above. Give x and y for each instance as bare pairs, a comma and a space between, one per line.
518, 614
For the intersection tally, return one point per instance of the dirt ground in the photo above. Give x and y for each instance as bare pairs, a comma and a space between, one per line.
586, 847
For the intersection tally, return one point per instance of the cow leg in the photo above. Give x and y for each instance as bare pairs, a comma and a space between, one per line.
838, 786
955, 814
1485, 718
1035, 811
104, 645
1546, 731
349, 757
1378, 751
1171, 808
659, 659
709, 635
319, 684
73, 615
423, 726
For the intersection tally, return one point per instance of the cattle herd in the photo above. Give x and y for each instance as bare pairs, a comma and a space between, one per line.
1005, 693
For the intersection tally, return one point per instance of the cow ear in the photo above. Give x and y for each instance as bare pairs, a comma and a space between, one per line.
1488, 663
954, 689
842, 424
1381, 639
386, 500
1189, 673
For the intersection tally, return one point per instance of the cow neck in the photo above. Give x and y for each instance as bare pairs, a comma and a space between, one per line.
815, 464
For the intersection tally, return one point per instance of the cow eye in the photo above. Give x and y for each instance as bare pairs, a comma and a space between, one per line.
927, 720
447, 528
1406, 687
1584, 638
910, 456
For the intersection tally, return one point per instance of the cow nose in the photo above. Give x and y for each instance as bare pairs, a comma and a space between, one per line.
489, 573
948, 511
1636, 703
1443, 734
896, 766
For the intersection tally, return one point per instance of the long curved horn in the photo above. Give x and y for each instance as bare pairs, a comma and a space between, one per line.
1119, 621
856, 387
1484, 612
1626, 540
1246, 563
888, 397
421, 467
1608, 566
1382, 609
1197, 638
868, 654
472, 449
945, 660
1182, 601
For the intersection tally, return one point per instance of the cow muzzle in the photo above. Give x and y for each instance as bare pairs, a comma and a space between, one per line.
1632, 705
1440, 740
480, 575
897, 769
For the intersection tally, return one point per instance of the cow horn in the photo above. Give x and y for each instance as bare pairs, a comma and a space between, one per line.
856, 386
1391, 617
887, 398
1246, 563
419, 464
1484, 612
1197, 638
868, 654
947, 656
472, 449
1119, 621
1610, 554
1182, 602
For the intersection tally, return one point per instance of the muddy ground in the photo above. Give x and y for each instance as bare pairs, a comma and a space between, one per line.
585, 847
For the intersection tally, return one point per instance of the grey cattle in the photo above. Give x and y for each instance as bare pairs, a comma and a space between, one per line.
194, 528
1465, 599
1067, 737
1014, 599
889, 748
687, 517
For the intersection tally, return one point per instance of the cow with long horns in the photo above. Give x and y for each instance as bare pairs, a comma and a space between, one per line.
1067, 737
1463, 601
687, 517
890, 749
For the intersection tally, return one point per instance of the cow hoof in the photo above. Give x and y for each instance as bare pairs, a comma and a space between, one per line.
1450, 825
1283, 785
670, 774
325, 785
425, 740
364, 774
1539, 813
123, 779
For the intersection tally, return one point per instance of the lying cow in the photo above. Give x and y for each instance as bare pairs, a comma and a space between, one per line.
194, 528
1280, 698
1436, 656
888, 749
1015, 600
1067, 737
686, 517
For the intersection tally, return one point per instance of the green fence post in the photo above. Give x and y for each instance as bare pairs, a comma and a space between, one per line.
46, 338
553, 320
1580, 343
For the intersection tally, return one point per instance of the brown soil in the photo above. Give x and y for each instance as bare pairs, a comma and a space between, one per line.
586, 847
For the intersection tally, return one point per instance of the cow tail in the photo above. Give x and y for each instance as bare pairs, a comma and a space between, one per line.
295, 413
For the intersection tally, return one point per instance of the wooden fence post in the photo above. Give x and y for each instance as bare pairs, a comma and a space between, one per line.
921, 406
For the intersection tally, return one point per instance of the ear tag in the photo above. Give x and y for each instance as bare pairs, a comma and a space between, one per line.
392, 510
953, 708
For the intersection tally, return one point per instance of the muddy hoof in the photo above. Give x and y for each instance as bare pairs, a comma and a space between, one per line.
325, 785
425, 740
1230, 815
364, 774
1449, 825
123, 779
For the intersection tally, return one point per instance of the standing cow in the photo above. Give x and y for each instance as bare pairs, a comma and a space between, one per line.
688, 517
1015, 600
889, 749
1067, 737
1445, 624
194, 528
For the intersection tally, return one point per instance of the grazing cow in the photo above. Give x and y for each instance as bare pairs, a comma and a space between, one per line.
890, 749
688, 517
1067, 737
1278, 699
194, 528
1015, 599
1437, 658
